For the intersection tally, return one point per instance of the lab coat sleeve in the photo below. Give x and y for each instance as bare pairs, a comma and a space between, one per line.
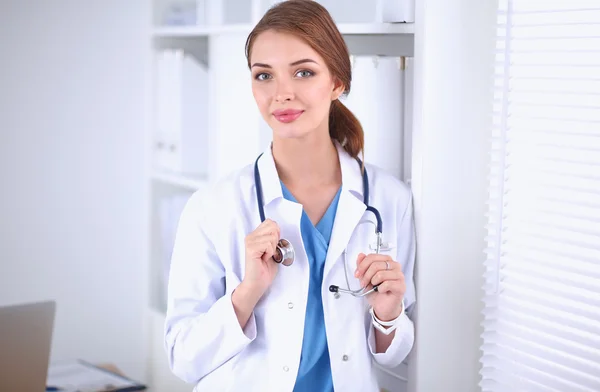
201, 328
404, 335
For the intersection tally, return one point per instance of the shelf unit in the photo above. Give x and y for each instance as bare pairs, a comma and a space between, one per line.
369, 29
220, 47
182, 181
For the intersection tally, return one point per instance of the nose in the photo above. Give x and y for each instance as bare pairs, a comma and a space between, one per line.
284, 92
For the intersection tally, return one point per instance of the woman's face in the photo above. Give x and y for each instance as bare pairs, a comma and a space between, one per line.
291, 84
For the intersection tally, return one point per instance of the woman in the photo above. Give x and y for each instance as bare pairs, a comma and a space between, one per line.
239, 321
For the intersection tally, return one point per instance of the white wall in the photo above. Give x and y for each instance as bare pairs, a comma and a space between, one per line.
71, 169
453, 71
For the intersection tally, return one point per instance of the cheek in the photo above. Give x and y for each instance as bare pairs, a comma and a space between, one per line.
319, 99
319, 93
262, 98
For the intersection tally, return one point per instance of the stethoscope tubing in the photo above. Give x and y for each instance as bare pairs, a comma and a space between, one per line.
285, 250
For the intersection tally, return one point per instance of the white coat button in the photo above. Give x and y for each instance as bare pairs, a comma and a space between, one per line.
290, 305
345, 358
285, 368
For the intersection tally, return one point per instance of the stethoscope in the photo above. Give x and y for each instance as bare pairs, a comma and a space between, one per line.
284, 252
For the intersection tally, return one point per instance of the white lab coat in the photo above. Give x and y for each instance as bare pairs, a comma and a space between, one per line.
203, 339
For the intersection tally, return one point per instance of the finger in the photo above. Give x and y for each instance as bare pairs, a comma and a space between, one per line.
257, 249
260, 251
382, 276
359, 260
269, 237
395, 287
267, 249
259, 235
375, 266
272, 236
268, 226
363, 262
366, 263
397, 268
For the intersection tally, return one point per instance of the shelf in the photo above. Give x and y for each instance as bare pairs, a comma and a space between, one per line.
199, 31
345, 29
186, 182
376, 28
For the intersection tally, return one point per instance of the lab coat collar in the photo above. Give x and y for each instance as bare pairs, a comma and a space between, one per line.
271, 186
350, 203
351, 172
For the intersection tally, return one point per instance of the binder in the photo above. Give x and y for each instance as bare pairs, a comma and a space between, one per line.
409, 71
181, 134
398, 11
357, 11
376, 99
160, 134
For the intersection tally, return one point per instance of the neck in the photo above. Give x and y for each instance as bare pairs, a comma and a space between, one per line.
310, 161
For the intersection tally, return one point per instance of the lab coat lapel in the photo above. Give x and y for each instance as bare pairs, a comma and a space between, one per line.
350, 209
349, 212
287, 214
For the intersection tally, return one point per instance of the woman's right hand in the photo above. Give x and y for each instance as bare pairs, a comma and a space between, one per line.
261, 269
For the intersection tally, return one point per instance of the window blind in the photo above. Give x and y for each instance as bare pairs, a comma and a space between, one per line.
542, 270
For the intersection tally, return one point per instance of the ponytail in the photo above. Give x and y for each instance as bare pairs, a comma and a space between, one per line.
346, 129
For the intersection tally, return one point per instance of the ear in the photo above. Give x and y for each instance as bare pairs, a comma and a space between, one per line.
338, 90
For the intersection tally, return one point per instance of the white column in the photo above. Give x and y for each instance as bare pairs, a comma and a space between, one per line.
454, 47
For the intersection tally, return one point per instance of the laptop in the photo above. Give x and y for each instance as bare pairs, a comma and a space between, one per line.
25, 342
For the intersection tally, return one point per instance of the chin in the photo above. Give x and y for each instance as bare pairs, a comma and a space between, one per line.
289, 131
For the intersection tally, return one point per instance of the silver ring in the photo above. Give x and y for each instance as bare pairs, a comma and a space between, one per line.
387, 266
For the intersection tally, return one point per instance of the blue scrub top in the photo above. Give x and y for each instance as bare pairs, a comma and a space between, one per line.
315, 369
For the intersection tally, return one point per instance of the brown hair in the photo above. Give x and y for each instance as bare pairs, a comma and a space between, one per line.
311, 22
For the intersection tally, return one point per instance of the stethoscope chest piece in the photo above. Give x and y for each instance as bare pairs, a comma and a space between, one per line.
284, 253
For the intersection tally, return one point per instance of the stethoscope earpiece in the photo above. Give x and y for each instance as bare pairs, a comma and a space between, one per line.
284, 253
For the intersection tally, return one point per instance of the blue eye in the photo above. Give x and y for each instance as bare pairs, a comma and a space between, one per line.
262, 76
304, 73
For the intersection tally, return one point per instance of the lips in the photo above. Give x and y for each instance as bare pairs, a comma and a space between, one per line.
287, 115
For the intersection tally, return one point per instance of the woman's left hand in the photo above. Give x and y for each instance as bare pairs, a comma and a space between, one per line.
378, 269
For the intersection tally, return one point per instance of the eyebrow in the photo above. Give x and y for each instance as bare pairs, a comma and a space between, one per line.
291, 64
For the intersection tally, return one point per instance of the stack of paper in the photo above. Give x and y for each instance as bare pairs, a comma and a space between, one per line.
78, 376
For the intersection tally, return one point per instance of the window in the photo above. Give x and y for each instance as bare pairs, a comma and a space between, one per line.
542, 275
